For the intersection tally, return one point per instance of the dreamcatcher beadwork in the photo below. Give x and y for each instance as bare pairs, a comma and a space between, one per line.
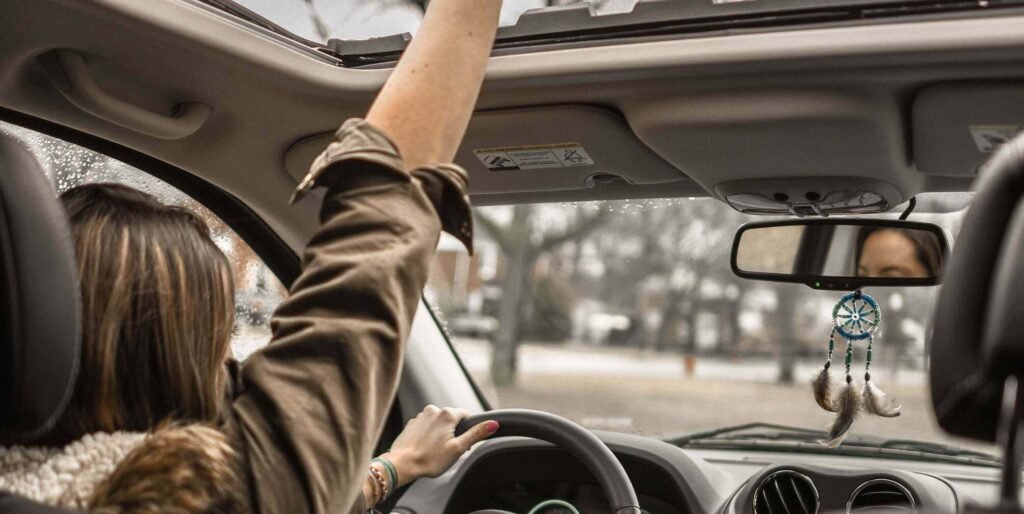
855, 317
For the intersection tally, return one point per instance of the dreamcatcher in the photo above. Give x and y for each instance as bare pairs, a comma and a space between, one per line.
855, 317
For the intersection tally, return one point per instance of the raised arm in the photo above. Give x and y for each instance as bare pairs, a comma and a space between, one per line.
426, 103
310, 406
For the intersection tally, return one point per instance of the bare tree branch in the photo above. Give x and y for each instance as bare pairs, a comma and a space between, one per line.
323, 30
578, 229
494, 229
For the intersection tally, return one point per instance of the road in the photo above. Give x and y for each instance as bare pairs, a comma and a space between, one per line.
649, 394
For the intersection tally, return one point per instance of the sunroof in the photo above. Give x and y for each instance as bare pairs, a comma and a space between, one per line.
321, 20
368, 32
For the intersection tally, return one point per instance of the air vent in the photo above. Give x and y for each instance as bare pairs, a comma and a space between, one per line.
881, 495
786, 491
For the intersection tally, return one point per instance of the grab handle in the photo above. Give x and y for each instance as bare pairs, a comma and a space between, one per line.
78, 86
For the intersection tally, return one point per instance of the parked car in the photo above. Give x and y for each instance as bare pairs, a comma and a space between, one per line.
472, 325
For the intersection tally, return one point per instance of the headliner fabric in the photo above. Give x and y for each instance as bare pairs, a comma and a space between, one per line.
39, 300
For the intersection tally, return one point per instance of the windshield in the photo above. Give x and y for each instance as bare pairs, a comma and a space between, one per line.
625, 316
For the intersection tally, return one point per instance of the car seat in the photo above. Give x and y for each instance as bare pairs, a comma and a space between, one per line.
977, 348
39, 307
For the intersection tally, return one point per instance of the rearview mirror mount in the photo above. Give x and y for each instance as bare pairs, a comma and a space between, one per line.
841, 253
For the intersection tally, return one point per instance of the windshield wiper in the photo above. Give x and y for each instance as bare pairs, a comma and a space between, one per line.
771, 437
936, 448
731, 432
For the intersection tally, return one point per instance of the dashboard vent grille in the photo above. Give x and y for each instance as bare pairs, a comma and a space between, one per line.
881, 495
786, 492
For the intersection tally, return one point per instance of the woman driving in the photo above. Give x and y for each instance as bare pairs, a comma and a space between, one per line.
162, 421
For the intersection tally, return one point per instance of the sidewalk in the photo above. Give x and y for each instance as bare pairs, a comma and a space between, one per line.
543, 359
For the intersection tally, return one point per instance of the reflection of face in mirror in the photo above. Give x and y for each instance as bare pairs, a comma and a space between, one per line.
897, 253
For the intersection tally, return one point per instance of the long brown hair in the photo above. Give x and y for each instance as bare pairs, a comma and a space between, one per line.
157, 311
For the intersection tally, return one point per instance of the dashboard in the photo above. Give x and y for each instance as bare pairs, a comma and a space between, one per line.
811, 489
517, 474
515, 481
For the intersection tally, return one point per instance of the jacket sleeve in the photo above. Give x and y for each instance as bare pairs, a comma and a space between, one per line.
311, 405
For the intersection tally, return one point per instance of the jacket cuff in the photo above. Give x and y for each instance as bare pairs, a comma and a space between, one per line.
445, 186
358, 145
370, 158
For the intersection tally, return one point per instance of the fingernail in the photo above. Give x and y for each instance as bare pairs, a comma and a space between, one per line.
491, 427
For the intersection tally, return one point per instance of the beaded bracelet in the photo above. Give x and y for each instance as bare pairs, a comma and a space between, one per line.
382, 482
375, 487
392, 471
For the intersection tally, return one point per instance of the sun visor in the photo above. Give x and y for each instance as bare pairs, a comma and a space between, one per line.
785, 151
556, 148
958, 126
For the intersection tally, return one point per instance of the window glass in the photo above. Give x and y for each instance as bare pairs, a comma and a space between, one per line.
258, 291
625, 316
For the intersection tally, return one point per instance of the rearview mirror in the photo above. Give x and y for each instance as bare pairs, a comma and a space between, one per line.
841, 254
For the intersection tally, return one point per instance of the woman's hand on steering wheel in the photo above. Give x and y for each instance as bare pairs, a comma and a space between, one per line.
427, 446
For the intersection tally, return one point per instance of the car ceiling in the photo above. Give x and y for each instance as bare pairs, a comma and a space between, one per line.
885, 106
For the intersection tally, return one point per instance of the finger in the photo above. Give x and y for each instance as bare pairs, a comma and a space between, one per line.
454, 415
461, 414
478, 433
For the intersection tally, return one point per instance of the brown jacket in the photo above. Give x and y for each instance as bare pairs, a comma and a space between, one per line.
305, 412
309, 407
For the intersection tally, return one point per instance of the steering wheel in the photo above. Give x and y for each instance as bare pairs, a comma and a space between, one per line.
569, 436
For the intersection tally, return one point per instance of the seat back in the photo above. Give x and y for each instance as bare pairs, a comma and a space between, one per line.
39, 300
978, 337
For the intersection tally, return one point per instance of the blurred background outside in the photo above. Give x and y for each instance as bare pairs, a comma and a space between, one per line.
625, 316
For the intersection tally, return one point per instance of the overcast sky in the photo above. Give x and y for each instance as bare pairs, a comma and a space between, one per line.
361, 19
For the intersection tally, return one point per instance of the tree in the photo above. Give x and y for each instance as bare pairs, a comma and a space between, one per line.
522, 241
322, 28
659, 259
697, 251
787, 296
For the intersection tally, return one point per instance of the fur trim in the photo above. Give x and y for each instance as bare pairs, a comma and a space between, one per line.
180, 470
65, 477
175, 470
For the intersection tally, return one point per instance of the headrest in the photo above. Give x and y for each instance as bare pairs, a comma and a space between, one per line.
40, 329
977, 339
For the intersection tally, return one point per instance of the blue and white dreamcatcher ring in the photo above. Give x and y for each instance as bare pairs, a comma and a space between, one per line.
856, 316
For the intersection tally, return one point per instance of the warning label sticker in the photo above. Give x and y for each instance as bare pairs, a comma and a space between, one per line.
989, 138
562, 155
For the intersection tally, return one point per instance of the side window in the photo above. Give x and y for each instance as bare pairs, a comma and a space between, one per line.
257, 290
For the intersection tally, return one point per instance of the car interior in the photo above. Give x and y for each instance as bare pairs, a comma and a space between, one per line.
802, 111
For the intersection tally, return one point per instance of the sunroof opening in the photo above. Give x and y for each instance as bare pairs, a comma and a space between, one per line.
322, 20
375, 32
